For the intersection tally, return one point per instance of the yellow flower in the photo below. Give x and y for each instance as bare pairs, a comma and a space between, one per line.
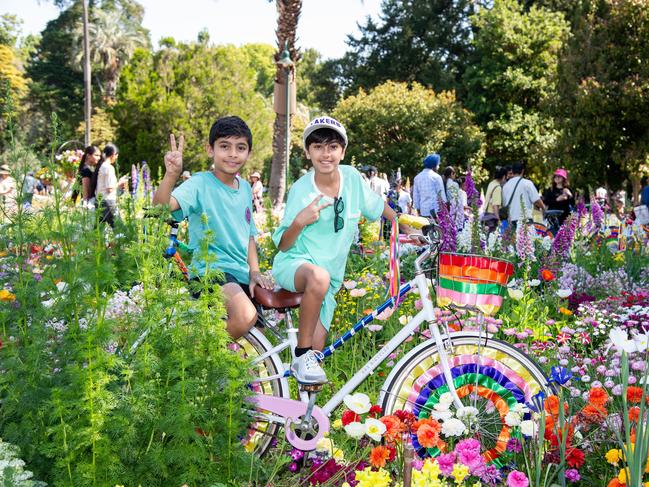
565, 311
613, 456
430, 469
368, 478
622, 476
459, 472
337, 424
7, 296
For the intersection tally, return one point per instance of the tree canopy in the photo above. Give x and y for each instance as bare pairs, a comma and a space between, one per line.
397, 124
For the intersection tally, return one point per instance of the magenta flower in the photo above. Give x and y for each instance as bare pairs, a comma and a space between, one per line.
447, 228
446, 462
468, 452
572, 475
517, 479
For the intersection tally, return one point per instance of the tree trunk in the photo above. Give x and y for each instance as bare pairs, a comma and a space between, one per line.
288, 13
86, 73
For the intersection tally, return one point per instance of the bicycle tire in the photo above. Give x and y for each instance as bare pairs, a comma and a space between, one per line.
259, 435
500, 371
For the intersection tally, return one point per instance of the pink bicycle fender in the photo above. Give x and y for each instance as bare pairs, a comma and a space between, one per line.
292, 409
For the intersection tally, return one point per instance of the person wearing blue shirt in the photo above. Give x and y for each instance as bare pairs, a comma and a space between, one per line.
219, 201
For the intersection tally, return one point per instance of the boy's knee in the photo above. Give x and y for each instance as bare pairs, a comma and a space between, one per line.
318, 280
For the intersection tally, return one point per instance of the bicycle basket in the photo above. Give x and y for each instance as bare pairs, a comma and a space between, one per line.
472, 282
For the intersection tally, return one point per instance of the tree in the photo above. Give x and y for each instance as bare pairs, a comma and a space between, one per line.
604, 92
10, 27
427, 42
184, 88
114, 36
396, 125
288, 14
511, 82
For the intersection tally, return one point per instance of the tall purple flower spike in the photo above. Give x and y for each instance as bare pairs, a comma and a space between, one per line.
447, 227
472, 194
135, 179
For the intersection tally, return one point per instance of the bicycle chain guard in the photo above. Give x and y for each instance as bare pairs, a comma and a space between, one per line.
293, 410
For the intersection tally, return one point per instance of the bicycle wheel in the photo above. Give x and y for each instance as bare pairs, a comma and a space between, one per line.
488, 374
261, 432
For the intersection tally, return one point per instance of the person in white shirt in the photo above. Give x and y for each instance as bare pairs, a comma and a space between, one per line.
404, 199
106, 184
379, 185
8, 190
428, 187
519, 189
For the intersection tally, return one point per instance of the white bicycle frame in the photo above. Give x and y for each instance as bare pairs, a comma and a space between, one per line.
427, 314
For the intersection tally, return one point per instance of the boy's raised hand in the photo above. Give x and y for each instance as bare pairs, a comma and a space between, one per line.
311, 213
174, 158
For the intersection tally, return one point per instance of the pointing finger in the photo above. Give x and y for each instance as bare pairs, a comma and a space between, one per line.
181, 143
172, 140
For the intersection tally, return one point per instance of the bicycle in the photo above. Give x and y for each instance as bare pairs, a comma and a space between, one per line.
477, 370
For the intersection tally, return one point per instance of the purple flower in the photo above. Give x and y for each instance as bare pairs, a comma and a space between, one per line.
572, 475
565, 236
446, 462
491, 475
447, 228
297, 454
514, 445
472, 194
135, 179
596, 213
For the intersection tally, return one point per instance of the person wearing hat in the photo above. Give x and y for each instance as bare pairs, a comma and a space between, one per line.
558, 196
320, 223
428, 187
257, 191
8, 191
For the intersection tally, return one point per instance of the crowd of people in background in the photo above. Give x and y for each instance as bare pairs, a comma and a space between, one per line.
508, 199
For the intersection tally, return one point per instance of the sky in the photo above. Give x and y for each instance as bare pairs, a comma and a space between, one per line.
324, 24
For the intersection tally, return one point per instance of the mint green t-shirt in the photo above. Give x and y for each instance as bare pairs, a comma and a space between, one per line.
229, 217
318, 243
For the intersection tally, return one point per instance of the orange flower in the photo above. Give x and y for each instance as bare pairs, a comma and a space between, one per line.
615, 483
552, 405
393, 427
432, 422
634, 394
547, 275
378, 456
597, 396
428, 436
634, 413
593, 413
565, 311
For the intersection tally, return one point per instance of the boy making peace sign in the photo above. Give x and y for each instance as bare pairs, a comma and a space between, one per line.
226, 201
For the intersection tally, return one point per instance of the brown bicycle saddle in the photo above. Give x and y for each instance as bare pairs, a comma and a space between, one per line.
277, 298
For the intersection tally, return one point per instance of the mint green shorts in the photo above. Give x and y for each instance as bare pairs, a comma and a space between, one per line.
284, 275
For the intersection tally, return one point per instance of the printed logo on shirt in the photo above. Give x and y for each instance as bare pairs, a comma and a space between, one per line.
248, 214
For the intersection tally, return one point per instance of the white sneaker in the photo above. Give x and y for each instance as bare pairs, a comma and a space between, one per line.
306, 368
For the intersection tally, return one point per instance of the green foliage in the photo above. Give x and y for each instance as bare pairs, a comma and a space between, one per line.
426, 42
396, 125
84, 404
604, 95
9, 29
511, 82
184, 88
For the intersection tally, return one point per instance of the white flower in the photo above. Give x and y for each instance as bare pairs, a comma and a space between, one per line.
468, 414
441, 406
620, 340
62, 286
441, 415
355, 429
446, 398
403, 319
515, 294
374, 429
48, 304
453, 427
520, 408
641, 341
358, 403
349, 284
564, 293
326, 445
534, 282
512, 419
529, 427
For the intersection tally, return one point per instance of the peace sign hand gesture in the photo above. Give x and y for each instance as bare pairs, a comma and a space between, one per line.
311, 213
174, 158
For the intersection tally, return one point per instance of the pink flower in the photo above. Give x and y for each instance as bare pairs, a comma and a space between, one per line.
517, 479
468, 452
446, 462
418, 304
385, 314
357, 292
349, 285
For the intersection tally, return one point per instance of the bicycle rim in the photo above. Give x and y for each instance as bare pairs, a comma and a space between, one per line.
259, 436
490, 375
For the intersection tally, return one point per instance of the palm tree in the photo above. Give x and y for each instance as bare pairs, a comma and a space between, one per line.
288, 14
113, 39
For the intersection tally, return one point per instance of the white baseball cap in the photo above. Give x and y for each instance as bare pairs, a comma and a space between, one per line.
324, 123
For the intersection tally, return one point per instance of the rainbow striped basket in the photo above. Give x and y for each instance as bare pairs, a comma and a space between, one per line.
472, 282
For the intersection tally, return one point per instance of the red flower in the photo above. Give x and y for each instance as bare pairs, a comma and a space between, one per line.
349, 417
375, 411
563, 338
634, 414
575, 458
597, 396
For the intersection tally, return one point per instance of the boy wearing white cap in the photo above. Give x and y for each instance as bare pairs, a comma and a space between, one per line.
315, 235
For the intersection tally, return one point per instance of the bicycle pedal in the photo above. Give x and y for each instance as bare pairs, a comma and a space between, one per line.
312, 387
